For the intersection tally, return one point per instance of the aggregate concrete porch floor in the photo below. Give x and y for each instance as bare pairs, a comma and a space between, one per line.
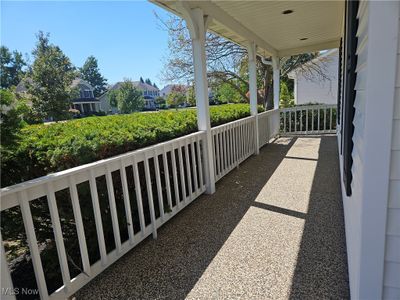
274, 229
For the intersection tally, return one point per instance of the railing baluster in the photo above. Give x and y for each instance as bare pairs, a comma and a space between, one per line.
284, 121
295, 120
218, 144
194, 164
167, 181
312, 116
221, 153
175, 178
97, 217
113, 209
127, 203
79, 225
319, 118
188, 172
324, 119
182, 173
290, 121
58, 235
232, 138
150, 196
33, 245
301, 120
200, 141
306, 120
214, 143
330, 120
224, 132
138, 191
6, 282
158, 183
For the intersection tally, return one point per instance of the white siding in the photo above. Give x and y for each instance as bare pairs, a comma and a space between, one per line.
392, 254
353, 205
317, 91
372, 212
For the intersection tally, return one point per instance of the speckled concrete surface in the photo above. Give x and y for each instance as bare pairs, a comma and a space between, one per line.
273, 230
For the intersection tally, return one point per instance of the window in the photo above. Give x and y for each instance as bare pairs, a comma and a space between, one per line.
87, 94
349, 92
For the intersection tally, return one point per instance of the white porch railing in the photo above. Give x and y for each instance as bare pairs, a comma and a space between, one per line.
310, 119
180, 182
268, 126
162, 180
232, 143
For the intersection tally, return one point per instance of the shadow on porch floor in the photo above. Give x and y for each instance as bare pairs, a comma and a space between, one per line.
273, 230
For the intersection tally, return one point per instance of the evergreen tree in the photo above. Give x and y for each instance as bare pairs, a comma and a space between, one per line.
51, 78
91, 73
148, 81
141, 79
155, 85
11, 67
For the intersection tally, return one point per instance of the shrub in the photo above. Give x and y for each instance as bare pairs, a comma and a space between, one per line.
44, 149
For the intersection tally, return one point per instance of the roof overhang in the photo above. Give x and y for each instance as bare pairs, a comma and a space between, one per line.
312, 25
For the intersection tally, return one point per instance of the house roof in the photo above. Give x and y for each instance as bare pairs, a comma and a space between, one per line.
78, 81
281, 28
145, 86
332, 52
168, 88
137, 84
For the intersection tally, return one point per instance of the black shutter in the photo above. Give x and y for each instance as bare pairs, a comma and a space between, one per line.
349, 92
339, 89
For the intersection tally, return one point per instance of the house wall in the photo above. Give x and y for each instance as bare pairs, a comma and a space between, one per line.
317, 91
372, 215
105, 105
391, 281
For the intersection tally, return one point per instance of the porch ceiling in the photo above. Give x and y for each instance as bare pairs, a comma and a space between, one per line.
264, 23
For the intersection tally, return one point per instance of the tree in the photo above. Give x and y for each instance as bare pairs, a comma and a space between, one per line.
286, 98
50, 80
155, 85
127, 98
175, 99
91, 73
11, 117
148, 81
225, 93
227, 62
11, 67
141, 79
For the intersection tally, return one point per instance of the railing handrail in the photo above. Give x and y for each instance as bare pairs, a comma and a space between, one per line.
268, 112
312, 106
233, 123
68, 172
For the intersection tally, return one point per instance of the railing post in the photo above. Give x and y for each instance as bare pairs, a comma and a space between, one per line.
197, 24
7, 289
276, 80
251, 49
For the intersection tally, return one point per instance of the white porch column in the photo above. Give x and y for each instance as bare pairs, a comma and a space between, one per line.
251, 50
276, 80
197, 24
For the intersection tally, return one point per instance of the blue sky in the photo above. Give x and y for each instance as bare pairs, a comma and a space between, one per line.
125, 37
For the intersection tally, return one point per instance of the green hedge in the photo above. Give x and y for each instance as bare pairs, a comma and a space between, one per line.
43, 149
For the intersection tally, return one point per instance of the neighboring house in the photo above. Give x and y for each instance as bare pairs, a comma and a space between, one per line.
169, 88
86, 103
310, 90
149, 92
